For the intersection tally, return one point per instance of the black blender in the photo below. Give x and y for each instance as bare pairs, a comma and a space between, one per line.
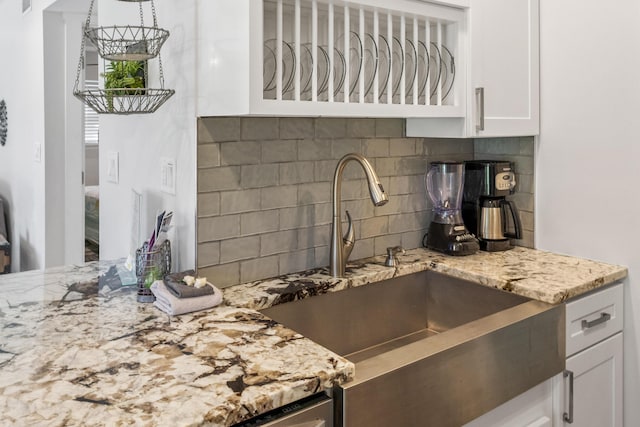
447, 232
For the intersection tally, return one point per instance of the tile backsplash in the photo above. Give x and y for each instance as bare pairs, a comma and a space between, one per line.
264, 190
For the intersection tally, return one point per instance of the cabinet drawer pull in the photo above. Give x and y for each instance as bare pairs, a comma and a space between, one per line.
568, 417
480, 108
590, 324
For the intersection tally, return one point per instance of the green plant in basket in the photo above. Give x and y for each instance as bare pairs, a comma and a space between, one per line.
123, 78
152, 276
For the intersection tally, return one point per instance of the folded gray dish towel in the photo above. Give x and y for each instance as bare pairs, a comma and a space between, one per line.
176, 286
171, 305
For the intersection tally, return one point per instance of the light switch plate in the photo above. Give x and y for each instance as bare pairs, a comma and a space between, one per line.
113, 167
168, 175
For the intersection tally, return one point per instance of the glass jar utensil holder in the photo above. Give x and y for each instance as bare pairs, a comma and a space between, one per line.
151, 265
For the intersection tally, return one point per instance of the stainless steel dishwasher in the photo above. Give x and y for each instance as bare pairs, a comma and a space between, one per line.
312, 411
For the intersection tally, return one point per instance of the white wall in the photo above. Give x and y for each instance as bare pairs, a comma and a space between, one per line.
588, 160
21, 86
141, 140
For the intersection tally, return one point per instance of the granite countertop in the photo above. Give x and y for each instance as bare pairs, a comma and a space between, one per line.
76, 350
540, 275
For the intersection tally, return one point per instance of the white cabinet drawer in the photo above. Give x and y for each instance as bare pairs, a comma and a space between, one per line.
593, 318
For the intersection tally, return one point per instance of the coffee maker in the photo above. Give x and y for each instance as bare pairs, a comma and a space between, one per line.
447, 233
485, 210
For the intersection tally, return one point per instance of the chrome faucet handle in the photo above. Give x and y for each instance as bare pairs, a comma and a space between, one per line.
392, 260
349, 238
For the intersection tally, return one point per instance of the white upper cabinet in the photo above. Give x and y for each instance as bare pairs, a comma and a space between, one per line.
505, 67
503, 84
367, 58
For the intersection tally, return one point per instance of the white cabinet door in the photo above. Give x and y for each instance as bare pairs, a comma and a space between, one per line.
597, 385
504, 78
505, 67
533, 408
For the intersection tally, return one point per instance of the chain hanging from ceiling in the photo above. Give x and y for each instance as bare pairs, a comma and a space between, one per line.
126, 77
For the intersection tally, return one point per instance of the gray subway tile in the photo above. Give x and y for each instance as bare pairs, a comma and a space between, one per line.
239, 249
321, 255
400, 147
217, 179
208, 254
281, 196
259, 268
257, 176
524, 183
364, 248
361, 128
279, 151
324, 170
353, 189
381, 243
314, 149
359, 209
259, 128
390, 128
340, 147
447, 147
259, 222
208, 204
527, 220
297, 217
297, 261
375, 147
523, 201
413, 239
407, 222
278, 242
208, 155
331, 128
376, 226
407, 184
296, 128
240, 153
312, 237
239, 201
296, 173
312, 193
323, 213
218, 129
222, 275
218, 227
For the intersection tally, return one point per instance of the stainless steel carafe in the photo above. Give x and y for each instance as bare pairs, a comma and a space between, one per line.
493, 219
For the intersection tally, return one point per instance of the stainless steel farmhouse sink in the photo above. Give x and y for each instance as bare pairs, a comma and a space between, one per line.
430, 349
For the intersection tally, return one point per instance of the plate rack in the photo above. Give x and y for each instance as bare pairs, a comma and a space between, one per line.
389, 56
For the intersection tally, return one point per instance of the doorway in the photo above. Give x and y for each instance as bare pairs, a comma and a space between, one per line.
64, 147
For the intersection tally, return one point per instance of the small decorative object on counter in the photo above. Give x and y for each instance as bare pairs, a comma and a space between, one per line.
151, 265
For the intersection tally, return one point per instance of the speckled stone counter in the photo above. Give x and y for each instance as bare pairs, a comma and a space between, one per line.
540, 275
76, 350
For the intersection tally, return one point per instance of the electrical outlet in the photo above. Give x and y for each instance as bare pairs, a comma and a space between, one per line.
168, 175
113, 167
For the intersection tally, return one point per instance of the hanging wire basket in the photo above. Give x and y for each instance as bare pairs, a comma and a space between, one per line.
125, 93
127, 43
124, 101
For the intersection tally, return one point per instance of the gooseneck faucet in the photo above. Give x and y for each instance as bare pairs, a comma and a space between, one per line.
341, 246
